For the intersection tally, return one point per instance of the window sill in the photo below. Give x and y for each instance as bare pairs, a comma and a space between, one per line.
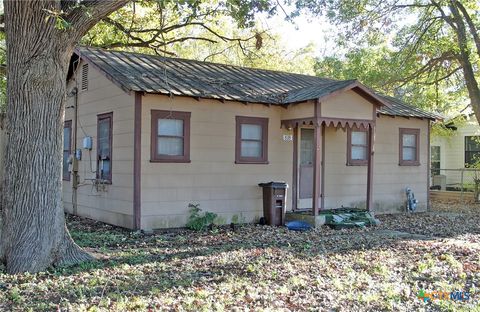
360, 163
409, 164
170, 161
252, 162
107, 182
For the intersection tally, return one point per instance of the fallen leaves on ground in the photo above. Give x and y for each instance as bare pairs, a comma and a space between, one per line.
261, 268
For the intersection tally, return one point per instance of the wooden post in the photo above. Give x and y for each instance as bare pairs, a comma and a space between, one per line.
371, 150
322, 177
317, 162
295, 169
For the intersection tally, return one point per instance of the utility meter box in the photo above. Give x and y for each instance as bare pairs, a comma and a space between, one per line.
87, 142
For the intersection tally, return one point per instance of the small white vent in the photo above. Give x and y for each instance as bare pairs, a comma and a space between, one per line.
84, 77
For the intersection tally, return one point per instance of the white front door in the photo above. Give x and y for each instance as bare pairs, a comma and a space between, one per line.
305, 168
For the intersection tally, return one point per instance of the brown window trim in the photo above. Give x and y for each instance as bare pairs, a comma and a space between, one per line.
185, 116
67, 124
263, 122
356, 162
99, 118
415, 162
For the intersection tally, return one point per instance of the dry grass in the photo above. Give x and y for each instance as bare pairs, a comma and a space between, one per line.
255, 268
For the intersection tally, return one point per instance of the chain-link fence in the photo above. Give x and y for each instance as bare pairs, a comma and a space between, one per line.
464, 181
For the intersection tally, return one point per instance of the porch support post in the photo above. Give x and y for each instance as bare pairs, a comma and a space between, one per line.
295, 169
317, 163
371, 144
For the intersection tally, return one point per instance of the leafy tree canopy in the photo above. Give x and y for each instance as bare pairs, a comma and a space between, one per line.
426, 51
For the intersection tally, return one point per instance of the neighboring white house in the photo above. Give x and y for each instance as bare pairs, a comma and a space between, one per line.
454, 155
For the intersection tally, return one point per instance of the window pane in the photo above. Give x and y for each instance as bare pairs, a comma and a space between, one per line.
472, 143
307, 151
173, 127
409, 140
359, 153
66, 138
65, 165
359, 137
104, 138
104, 169
170, 146
251, 149
410, 153
435, 152
251, 132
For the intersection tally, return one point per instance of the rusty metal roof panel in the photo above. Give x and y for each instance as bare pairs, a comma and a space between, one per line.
173, 76
399, 108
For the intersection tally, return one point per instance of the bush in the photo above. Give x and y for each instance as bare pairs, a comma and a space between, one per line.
198, 221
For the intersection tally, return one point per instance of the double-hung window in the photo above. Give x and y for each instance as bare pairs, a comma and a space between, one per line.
357, 142
104, 146
170, 136
251, 144
409, 152
472, 150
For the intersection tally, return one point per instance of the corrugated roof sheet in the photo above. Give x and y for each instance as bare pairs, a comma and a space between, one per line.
399, 108
156, 74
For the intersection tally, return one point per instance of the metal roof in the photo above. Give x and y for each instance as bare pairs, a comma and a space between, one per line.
182, 77
400, 108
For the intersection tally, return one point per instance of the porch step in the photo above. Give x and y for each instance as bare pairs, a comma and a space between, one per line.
336, 218
306, 217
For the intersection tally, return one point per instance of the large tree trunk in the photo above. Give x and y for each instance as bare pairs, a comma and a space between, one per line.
34, 235
464, 58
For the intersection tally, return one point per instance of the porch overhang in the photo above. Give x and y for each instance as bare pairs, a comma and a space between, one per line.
328, 122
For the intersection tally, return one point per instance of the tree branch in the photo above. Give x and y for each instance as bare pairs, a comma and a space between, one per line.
87, 13
471, 25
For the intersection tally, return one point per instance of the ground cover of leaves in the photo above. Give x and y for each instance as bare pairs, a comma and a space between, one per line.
261, 268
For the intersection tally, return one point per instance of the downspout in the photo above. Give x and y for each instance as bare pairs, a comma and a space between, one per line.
74, 159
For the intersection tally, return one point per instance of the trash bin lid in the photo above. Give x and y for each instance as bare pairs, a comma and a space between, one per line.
280, 185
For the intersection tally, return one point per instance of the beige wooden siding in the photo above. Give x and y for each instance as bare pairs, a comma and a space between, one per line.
344, 185
347, 105
212, 179
111, 203
390, 179
301, 110
347, 185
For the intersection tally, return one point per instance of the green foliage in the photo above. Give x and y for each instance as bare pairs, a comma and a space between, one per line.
197, 220
407, 49
200, 31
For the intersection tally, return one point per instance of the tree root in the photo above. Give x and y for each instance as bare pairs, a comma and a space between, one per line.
70, 253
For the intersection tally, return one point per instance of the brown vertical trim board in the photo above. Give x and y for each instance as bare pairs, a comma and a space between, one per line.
137, 162
428, 165
371, 153
322, 184
295, 169
317, 138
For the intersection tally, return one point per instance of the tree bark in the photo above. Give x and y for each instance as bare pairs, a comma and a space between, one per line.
464, 59
34, 235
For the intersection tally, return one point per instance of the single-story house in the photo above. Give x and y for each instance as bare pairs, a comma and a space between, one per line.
152, 134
